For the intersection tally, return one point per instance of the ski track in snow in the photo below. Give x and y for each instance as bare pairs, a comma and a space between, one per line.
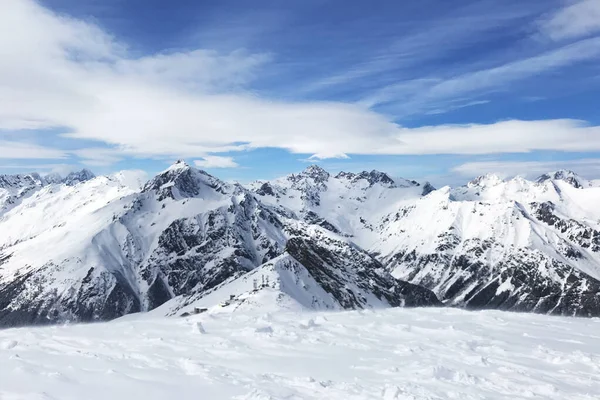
387, 354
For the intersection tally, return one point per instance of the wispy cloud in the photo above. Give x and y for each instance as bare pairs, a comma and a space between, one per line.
216, 162
98, 156
529, 169
418, 45
575, 20
404, 84
516, 70
432, 93
27, 150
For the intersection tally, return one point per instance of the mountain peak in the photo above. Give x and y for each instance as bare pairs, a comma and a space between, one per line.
181, 180
315, 172
377, 177
372, 177
314, 169
78, 176
563, 175
20, 180
53, 177
345, 175
178, 165
427, 188
488, 180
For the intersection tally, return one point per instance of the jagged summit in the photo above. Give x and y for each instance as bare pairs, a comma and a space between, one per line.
182, 180
377, 177
178, 165
487, 180
314, 169
372, 177
315, 172
564, 175
15, 188
20, 180
53, 177
427, 188
77, 177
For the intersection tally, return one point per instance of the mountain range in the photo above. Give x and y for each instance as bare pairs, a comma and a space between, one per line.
86, 248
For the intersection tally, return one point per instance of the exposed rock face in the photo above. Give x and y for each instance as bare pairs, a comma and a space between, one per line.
372, 177
567, 176
427, 188
522, 281
315, 271
77, 177
26, 300
195, 254
351, 276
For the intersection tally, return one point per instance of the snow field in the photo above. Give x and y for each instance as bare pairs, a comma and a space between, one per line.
384, 354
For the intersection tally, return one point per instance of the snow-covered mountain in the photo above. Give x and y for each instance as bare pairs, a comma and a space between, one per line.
85, 248
317, 270
514, 245
13, 188
100, 249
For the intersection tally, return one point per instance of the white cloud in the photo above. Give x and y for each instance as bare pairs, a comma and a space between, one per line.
216, 162
419, 43
316, 157
433, 94
99, 157
61, 169
61, 72
589, 168
24, 150
503, 137
575, 20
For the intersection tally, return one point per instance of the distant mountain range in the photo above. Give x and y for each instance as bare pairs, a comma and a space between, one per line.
84, 248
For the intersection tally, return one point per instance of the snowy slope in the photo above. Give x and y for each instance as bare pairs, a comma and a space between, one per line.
282, 283
393, 354
98, 250
513, 245
318, 270
101, 249
49, 245
516, 244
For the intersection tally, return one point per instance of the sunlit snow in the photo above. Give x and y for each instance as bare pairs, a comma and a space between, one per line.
386, 354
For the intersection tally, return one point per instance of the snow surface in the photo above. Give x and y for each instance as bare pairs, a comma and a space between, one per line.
282, 283
387, 354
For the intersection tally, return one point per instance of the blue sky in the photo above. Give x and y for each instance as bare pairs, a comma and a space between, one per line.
435, 90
